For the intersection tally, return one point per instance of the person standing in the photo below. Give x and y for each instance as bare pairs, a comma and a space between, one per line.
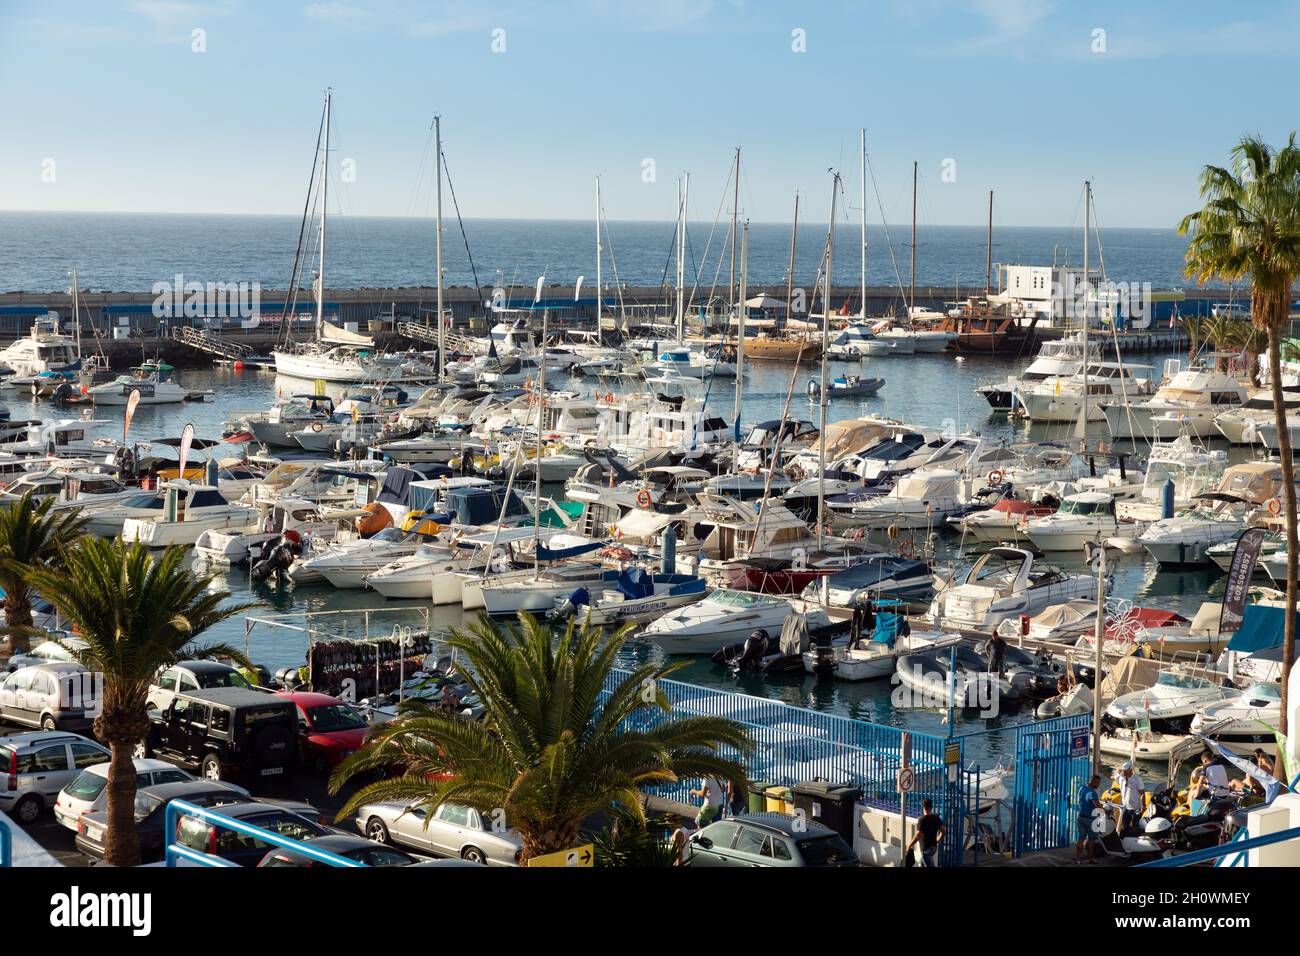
1089, 804
712, 792
929, 830
681, 840
997, 651
1131, 790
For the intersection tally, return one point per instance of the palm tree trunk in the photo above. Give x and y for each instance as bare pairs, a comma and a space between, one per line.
121, 842
1289, 499
18, 616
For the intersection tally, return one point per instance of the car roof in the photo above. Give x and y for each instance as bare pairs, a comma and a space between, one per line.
253, 808
783, 823
53, 667
232, 696
191, 788
142, 765
204, 667
38, 737
306, 698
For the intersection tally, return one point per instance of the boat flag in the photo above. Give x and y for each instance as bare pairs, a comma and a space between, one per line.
131, 402
537, 296
577, 288
187, 439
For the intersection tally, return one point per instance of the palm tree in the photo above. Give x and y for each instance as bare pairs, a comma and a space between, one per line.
1221, 332
1249, 228
1195, 326
564, 737
137, 615
1252, 342
30, 537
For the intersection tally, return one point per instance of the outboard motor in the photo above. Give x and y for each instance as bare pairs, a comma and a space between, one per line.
823, 660
565, 606
279, 559
752, 653
289, 677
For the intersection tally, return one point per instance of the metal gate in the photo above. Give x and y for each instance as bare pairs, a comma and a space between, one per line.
1052, 763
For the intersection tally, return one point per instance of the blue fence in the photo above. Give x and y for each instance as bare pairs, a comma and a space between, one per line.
793, 745
176, 851
6, 846
1052, 763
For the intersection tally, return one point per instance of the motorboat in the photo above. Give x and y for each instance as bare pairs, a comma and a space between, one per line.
785, 575
877, 655
1187, 403
153, 381
347, 564
274, 517
1244, 722
1082, 518
1005, 521
413, 577
275, 427
876, 577
955, 676
859, 339
1006, 583
536, 590
1191, 468
724, 617
846, 386
636, 596
1239, 425
1062, 398
922, 499
1169, 705
182, 513
1057, 358
44, 348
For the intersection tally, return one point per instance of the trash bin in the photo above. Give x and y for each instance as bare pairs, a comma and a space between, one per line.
830, 804
779, 800
757, 801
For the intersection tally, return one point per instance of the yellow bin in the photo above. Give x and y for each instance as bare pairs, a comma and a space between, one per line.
779, 799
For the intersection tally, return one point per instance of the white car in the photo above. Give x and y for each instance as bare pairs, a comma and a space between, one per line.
453, 830
47, 652
89, 790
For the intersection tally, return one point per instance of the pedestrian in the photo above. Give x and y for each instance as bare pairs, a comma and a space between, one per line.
737, 804
929, 830
1209, 780
1089, 804
1131, 790
997, 652
712, 792
681, 840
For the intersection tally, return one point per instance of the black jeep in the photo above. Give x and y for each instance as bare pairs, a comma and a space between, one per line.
226, 732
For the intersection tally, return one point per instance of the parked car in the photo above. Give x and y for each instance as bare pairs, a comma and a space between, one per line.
226, 732
35, 766
189, 676
343, 844
453, 831
47, 652
56, 696
769, 839
151, 815
217, 840
328, 729
87, 793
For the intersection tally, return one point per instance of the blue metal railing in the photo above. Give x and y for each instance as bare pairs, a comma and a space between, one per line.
1236, 847
176, 851
1050, 770
6, 846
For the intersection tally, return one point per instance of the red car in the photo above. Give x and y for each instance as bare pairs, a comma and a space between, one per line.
328, 729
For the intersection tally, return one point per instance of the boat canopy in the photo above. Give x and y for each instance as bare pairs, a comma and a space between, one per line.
574, 550
875, 569
329, 332
1262, 627
852, 434
1129, 674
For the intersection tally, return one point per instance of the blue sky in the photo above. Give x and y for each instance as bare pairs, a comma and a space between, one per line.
1016, 93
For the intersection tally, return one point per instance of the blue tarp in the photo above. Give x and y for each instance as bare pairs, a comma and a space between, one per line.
635, 584
563, 554
1261, 627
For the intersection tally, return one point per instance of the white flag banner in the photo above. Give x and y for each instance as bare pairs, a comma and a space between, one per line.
131, 402
577, 289
187, 439
537, 296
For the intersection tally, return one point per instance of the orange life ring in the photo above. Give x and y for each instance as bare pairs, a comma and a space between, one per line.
996, 476
643, 498
905, 549
317, 427
1275, 506
609, 398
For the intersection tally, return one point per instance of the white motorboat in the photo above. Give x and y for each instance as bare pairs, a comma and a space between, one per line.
1193, 470
1244, 722
1006, 583
412, 577
1061, 398
922, 499
1239, 424
179, 519
876, 656
348, 564
874, 576
634, 595
1082, 518
152, 380
1005, 521
275, 427
1057, 358
1169, 705
724, 617
536, 591
1186, 404
274, 517
44, 349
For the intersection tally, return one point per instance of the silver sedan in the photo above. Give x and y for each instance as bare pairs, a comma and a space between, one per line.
452, 830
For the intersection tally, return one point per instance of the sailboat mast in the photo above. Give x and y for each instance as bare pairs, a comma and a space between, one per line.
735, 211
863, 164
911, 305
682, 185
437, 241
822, 393
988, 258
324, 204
76, 310
537, 461
789, 278
740, 331
598, 256
1087, 227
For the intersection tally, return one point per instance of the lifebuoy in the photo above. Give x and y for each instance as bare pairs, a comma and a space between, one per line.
1275, 506
609, 398
643, 498
996, 476
317, 427
905, 549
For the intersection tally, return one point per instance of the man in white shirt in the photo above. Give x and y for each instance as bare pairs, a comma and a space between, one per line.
1209, 780
1130, 796
714, 795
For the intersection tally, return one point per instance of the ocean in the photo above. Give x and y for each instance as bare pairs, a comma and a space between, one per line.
128, 252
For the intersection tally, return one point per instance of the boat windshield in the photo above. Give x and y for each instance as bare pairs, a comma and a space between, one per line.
1263, 691
1074, 507
737, 599
995, 568
1183, 681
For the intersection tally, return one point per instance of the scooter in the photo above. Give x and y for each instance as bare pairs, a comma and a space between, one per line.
1150, 842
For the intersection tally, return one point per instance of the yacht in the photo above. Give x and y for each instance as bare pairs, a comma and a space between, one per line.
724, 617
1057, 358
1191, 468
693, 364
919, 500
152, 380
1170, 704
348, 564
1061, 398
1188, 403
1003, 584
44, 349
876, 577
182, 513
1088, 516
1245, 722
1005, 521
275, 427
1239, 425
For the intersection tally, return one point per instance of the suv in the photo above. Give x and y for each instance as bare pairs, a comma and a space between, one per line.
226, 731
768, 839
187, 676
34, 767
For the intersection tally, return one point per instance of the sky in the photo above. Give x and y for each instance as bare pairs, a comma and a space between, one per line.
213, 106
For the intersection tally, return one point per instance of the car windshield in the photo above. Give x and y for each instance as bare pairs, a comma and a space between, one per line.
231, 678
329, 718
88, 786
825, 851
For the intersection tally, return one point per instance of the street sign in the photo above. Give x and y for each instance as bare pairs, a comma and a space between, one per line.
906, 780
581, 856
1080, 743
952, 752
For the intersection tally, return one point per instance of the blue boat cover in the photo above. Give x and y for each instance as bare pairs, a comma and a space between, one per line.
1261, 627
635, 584
887, 624
561, 554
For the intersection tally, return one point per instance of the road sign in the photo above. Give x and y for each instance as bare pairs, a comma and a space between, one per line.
906, 780
582, 856
1080, 743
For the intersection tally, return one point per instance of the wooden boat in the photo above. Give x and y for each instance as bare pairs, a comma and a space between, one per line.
775, 348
